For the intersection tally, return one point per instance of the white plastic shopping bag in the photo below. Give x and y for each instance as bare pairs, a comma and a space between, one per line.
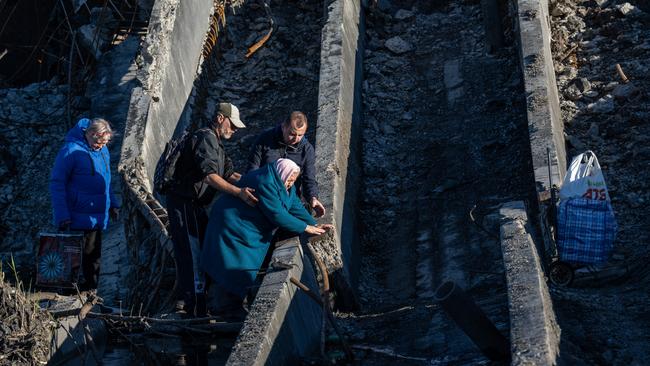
584, 179
586, 225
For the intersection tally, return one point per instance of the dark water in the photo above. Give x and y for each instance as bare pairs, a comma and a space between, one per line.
185, 350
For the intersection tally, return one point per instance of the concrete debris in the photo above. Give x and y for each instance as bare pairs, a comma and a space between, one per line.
398, 46
583, 84
611, 118
628, 9
572, 92
418, 108
253, 83
625, 91
383, 5
403, 14
593, 130
32, 125
602, 105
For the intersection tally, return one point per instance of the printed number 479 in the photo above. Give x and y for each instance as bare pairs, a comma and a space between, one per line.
595, 194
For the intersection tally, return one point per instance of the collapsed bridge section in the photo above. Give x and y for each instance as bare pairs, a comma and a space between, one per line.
415, 144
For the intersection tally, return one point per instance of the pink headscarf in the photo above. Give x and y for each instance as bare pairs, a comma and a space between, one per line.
285, 168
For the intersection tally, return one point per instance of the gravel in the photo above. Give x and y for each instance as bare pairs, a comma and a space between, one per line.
604, 321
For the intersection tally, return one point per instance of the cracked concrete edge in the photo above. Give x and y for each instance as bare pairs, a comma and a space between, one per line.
338, 133
169, 61
283, 324
534, 332
545, 124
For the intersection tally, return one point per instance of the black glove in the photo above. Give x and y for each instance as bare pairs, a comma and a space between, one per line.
65, 225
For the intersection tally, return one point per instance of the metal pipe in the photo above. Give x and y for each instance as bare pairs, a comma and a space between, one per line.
471, 320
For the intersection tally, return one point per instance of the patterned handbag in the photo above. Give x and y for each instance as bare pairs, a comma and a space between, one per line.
59, 259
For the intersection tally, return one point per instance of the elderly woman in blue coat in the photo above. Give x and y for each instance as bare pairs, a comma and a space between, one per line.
238, 235
80, 187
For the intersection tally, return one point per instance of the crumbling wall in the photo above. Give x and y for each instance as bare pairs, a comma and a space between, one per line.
169, 62
338, 144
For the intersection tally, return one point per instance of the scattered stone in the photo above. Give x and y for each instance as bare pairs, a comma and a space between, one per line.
81, 102
387, 129
403, 14
602, 105
625, 91
627, 9
384, 5
639, 117
583, 84
572, 93
567, 104
610, 86
398, 46
559, 10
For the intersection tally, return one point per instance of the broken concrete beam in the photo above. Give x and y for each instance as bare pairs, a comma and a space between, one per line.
338, 144
534, 333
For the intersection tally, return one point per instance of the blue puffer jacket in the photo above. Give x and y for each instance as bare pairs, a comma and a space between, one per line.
80, 185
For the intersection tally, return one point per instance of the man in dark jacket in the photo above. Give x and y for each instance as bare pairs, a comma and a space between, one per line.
80, 187
287, 141
202, 169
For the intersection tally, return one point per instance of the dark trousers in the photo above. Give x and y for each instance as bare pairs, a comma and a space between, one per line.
187, 224
90, 260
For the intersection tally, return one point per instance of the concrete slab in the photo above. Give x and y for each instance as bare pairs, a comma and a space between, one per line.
534, 333
71, 340
545, 123
338, 143
283, 324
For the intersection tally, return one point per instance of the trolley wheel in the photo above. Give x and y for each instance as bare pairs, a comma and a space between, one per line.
561, 273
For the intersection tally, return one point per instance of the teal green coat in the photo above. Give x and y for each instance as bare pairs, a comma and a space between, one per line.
238, 236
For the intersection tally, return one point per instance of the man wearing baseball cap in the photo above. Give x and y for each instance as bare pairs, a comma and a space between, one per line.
203, 169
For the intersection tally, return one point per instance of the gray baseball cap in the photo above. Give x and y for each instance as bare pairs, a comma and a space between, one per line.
232, 112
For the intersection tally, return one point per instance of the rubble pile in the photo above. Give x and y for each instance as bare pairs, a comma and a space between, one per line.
25, 329
601, 55
606, 110
280, 77
33, 121
444, 130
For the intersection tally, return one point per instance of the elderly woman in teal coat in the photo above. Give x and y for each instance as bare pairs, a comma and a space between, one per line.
238, 235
